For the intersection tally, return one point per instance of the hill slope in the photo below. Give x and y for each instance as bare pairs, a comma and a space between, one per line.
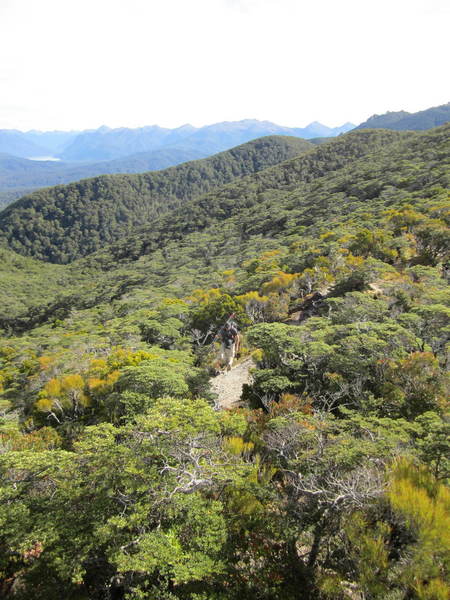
25, 282
332, 264
360, 171
104, 150
337, 190
259, 193
62, 223
18, 174
404, 121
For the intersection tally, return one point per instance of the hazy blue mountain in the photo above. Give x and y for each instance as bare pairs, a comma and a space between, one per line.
34, 144
16, 143
343, 128
404, 121
108, 144
315, 129
174, 136
222, 136
53, 141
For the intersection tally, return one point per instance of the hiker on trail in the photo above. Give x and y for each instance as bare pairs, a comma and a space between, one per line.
229, 336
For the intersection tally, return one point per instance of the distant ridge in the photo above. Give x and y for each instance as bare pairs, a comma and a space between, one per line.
405, 121
107, 144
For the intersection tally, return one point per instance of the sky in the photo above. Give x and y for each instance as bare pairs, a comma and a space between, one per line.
79, 64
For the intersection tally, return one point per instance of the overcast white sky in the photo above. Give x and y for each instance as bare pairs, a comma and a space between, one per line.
77, 64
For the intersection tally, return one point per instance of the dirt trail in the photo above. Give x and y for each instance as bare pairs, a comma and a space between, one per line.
228, 386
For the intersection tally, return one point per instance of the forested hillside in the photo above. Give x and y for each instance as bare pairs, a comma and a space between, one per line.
263, 203
62, 223
18, 174
121, 481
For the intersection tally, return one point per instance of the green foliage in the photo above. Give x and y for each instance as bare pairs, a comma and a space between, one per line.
165, 334
119, 480
414, 385
344, 364
21, 283
147, 519
369, 549
213, 310
424, 505
156, 378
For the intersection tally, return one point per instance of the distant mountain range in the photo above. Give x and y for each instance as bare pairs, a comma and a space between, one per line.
106, 144
405, 121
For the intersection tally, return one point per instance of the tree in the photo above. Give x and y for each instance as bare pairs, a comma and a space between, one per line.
139, 505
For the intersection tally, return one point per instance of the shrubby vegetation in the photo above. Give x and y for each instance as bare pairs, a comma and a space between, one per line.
120, 480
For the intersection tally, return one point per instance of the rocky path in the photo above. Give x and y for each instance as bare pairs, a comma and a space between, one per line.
228, 386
